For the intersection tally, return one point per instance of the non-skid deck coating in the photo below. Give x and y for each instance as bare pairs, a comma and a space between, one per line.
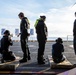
32, 68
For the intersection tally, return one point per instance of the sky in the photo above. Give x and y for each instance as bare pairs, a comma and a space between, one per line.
59, 15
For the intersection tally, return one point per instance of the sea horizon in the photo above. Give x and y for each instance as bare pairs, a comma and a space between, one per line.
49, 38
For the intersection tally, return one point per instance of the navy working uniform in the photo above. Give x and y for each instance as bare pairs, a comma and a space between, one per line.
24, 38
74, 35
57, 50
5, 43
41, 31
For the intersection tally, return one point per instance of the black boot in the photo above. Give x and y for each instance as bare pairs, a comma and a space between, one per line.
2, 60
29, 58
41, 62
23, 60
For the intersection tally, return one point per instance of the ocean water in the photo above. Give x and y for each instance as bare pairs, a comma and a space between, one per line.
49, 38
54, 38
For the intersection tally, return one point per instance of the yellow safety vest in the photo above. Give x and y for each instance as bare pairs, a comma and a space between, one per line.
36, 22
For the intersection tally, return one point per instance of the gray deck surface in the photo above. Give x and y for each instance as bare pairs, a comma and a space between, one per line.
32, 68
